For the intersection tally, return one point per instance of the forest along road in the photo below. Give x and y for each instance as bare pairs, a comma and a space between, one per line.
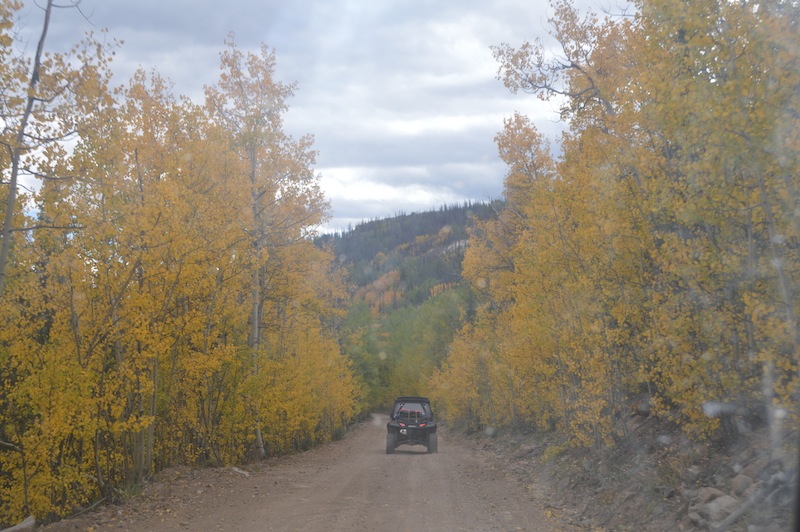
348, 485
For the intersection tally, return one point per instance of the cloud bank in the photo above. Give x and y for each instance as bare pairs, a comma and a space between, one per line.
401, 97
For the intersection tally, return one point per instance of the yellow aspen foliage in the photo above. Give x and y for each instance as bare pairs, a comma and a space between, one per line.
720, 199
127, 338
457, 386
659, 253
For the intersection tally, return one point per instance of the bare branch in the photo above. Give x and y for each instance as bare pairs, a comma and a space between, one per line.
46, 177
9, 446
44, 226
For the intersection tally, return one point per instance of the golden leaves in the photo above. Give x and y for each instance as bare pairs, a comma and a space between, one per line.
125, 341
660, 251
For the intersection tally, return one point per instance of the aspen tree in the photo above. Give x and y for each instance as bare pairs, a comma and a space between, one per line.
728, 121
672, 222
44, 102
47, 99
285, 202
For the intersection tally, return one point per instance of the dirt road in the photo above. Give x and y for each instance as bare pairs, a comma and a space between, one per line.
347, 485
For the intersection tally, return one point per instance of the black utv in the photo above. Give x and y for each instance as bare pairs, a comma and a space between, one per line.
411, 423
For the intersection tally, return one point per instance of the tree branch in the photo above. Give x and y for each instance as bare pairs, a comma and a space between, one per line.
9, 446
44, 226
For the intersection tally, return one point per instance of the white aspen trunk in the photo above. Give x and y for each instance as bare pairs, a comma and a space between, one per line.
18, 148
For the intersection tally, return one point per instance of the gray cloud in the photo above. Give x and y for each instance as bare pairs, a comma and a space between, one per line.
400, 96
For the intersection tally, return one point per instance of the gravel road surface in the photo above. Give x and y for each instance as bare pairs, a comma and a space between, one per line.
347, 485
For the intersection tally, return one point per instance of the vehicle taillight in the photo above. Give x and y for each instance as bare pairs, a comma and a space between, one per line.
422, 424
402, 424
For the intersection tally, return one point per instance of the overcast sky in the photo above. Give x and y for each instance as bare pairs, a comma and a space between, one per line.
401, 96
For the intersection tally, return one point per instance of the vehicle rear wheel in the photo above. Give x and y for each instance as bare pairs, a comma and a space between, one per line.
391, 438
433, 443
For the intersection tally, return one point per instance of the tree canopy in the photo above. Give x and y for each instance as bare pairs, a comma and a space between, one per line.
658, 254
163, 300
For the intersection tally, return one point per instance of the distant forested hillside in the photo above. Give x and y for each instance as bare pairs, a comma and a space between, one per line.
423, 249
408, 297
368, 239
